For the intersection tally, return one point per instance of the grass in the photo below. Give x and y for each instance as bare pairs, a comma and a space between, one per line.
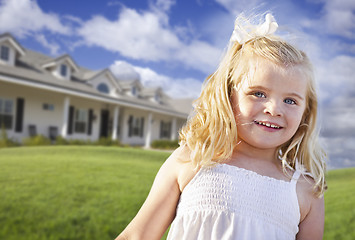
92, 192
340, 205
72, 192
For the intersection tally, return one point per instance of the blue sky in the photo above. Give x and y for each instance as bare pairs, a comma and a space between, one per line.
176, 44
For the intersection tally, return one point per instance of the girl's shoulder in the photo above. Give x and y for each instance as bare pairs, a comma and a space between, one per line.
311, 224
306, 195
181, 166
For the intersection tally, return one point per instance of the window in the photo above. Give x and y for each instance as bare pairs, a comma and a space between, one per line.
165, 129
63, 70
80, 120
5, 53
103, 88
157, 97
134, 91
136, 126
48, 107
6, 115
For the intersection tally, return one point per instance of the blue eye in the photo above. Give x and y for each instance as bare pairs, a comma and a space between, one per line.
289, 101
259, 95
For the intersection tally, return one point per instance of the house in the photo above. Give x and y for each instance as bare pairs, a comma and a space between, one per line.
40, 94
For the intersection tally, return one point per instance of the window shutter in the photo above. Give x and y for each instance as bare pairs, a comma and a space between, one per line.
142, 126
19, 114
91, 116
161, 129
130, 122
70, 119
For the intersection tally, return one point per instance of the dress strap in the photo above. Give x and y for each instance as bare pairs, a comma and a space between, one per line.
295, 177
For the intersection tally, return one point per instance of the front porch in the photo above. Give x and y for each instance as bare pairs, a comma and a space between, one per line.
73, 117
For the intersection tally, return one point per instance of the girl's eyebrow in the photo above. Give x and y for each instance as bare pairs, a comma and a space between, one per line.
292, 94
296, 95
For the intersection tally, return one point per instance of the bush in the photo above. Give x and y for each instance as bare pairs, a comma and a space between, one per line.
8, 143
38, 140
5, 141
101, 142
59, 140
108, 142
78, 142
165, 144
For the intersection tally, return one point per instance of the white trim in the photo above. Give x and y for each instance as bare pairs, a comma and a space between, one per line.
65, 117
12, 42
148, 137
50, 64
59, 61
116, 112
173, 129
111, 78
87, 95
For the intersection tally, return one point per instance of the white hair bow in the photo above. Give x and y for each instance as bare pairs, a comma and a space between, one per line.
242, 33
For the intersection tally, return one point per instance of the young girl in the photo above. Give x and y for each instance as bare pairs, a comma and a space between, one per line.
249, 165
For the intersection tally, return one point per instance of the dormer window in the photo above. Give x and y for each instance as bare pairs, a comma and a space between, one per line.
102, 87
5, 53
134, 91
63, 70
157, 97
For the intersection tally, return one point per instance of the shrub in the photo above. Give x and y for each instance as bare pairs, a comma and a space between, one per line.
8, 143
108, 142
59, 140
77, 142
165, 144
100, 142
38, 140
5, 141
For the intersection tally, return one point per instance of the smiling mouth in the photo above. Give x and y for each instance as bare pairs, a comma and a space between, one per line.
266, 124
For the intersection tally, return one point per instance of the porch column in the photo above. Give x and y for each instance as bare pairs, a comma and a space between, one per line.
148, 137
116, 113
65, 117
173, 129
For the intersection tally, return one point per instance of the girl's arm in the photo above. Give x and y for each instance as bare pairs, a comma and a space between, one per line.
312, 225
159, 208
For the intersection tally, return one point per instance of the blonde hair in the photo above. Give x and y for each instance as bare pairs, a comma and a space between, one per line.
211, 132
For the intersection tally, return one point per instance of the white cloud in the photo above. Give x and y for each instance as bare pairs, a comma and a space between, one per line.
335, 76
340, 151
21, 17
176, 88
338, 17
53, 47
124, 71
133, 35
337, 116
147, 36
165, 5
236, 7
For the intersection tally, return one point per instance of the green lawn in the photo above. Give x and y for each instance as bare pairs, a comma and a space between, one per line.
87, 192
340, 205
72, 192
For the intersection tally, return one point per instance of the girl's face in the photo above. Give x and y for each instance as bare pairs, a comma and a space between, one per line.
269, 107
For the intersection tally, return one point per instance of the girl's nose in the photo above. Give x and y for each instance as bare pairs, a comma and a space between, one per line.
273, 108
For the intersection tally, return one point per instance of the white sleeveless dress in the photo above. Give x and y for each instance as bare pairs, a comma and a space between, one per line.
227, 202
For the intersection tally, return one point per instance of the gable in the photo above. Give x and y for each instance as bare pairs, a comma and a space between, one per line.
105, 80
65, 59
10, 41
9, 50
